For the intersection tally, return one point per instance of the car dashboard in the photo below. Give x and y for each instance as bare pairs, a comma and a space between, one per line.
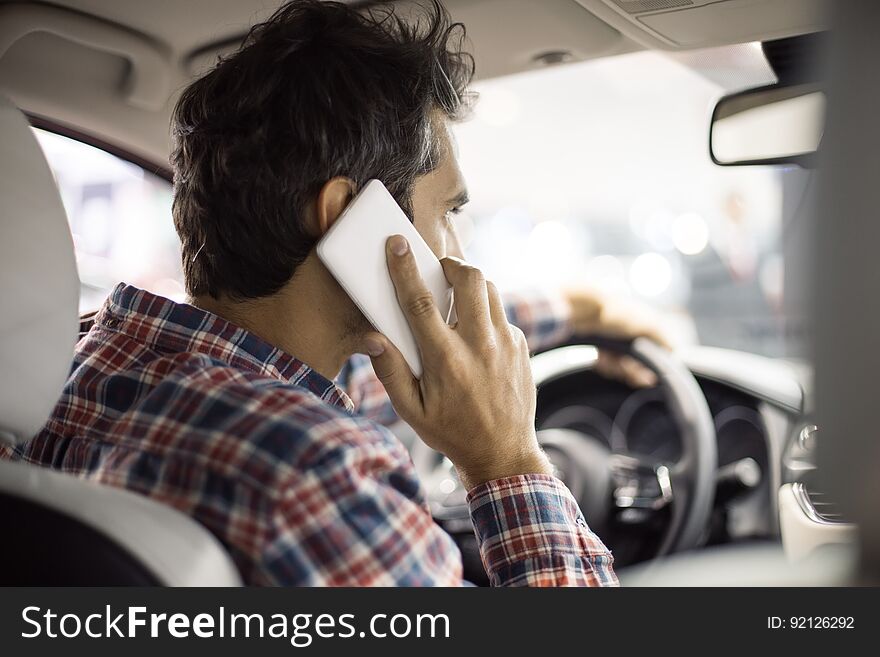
637, 421
759, 406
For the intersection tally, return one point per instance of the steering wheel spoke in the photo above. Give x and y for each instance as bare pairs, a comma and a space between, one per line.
639, 488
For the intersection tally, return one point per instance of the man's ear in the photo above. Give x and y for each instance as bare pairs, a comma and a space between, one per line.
333, 198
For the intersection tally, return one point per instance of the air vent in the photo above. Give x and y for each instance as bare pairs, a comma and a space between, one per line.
817, 505
642, 6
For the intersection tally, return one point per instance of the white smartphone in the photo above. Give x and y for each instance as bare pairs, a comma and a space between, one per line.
353, 250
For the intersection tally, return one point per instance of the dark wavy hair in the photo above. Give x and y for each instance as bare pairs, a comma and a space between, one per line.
319, 90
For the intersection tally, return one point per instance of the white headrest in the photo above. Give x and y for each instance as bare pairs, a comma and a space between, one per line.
39, 286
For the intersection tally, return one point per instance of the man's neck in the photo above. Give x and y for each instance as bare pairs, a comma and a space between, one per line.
303, 319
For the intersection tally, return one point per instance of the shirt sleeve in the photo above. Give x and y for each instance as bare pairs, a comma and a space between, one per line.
532, 533
352, 512
544, 317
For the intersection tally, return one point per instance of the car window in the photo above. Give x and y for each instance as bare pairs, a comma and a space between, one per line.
120, 217
599, 173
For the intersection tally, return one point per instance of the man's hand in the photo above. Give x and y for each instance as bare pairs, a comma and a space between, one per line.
475, 402
595, 314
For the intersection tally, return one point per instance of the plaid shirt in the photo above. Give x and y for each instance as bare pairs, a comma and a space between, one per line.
177, 404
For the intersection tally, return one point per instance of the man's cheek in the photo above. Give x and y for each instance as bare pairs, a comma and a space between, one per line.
435, 240
453, 244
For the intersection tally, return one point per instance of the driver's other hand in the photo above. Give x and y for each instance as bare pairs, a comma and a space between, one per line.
475, 402
594, 313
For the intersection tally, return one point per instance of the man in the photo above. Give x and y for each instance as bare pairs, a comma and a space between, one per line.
225, 407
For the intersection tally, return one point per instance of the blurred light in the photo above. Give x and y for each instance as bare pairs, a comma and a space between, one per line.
510, 220
690, 234
608, 273
650, 274
639, 213
550, 237
658, 230
497, 107
447, 486
607, 266
95, 225
551, 252
546, 202
76, 164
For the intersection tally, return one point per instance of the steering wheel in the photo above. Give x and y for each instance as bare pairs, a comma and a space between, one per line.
608, 484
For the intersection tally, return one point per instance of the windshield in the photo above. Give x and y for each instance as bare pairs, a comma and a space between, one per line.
599, 173
595, 174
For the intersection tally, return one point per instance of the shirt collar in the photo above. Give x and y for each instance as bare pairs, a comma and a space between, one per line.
178, 328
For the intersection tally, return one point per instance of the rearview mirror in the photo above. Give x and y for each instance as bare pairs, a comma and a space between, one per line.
768, 125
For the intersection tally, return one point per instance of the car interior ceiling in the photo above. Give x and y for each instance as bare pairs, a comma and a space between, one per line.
60, 62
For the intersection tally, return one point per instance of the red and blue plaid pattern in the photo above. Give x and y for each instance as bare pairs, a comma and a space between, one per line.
179, 405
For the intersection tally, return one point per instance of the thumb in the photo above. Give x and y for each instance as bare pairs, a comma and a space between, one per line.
391, 369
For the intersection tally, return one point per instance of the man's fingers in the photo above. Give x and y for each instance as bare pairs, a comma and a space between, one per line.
394, 373
413, 296
496, 305
471, 296
625, 368
631, 321
658, 336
